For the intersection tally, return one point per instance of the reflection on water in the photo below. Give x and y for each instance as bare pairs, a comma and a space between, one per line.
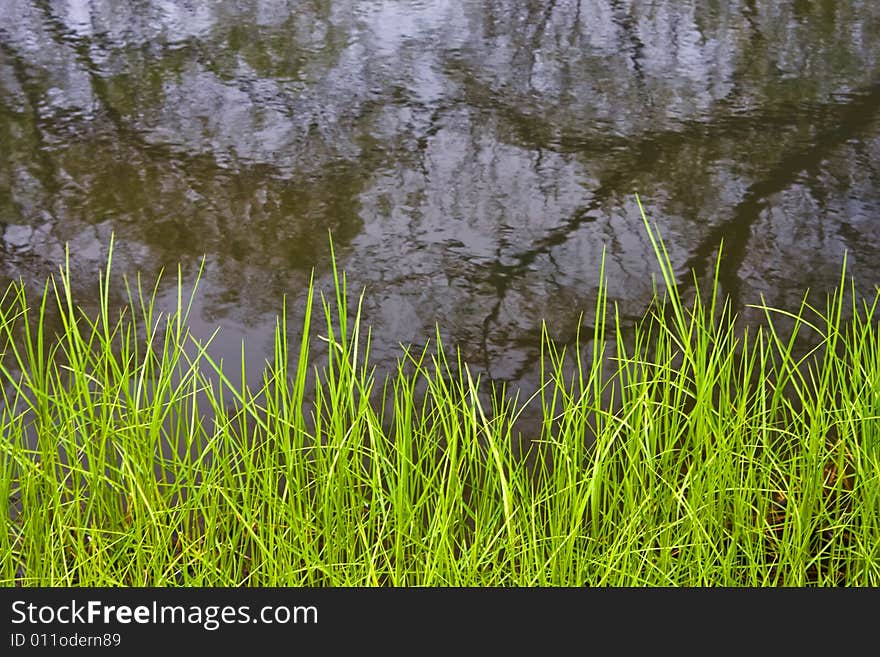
471, 159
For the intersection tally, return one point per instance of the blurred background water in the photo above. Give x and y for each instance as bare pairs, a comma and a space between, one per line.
472, 160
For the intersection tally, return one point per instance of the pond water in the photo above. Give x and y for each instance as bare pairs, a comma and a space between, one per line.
472, 160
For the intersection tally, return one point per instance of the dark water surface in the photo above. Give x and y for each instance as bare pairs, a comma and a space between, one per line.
471, 159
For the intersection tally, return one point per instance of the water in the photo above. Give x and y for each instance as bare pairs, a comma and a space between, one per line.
472, 160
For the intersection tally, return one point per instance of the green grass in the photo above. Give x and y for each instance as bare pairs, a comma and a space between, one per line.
704, 455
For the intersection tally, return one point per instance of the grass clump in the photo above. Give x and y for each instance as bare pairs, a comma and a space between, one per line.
705, 455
